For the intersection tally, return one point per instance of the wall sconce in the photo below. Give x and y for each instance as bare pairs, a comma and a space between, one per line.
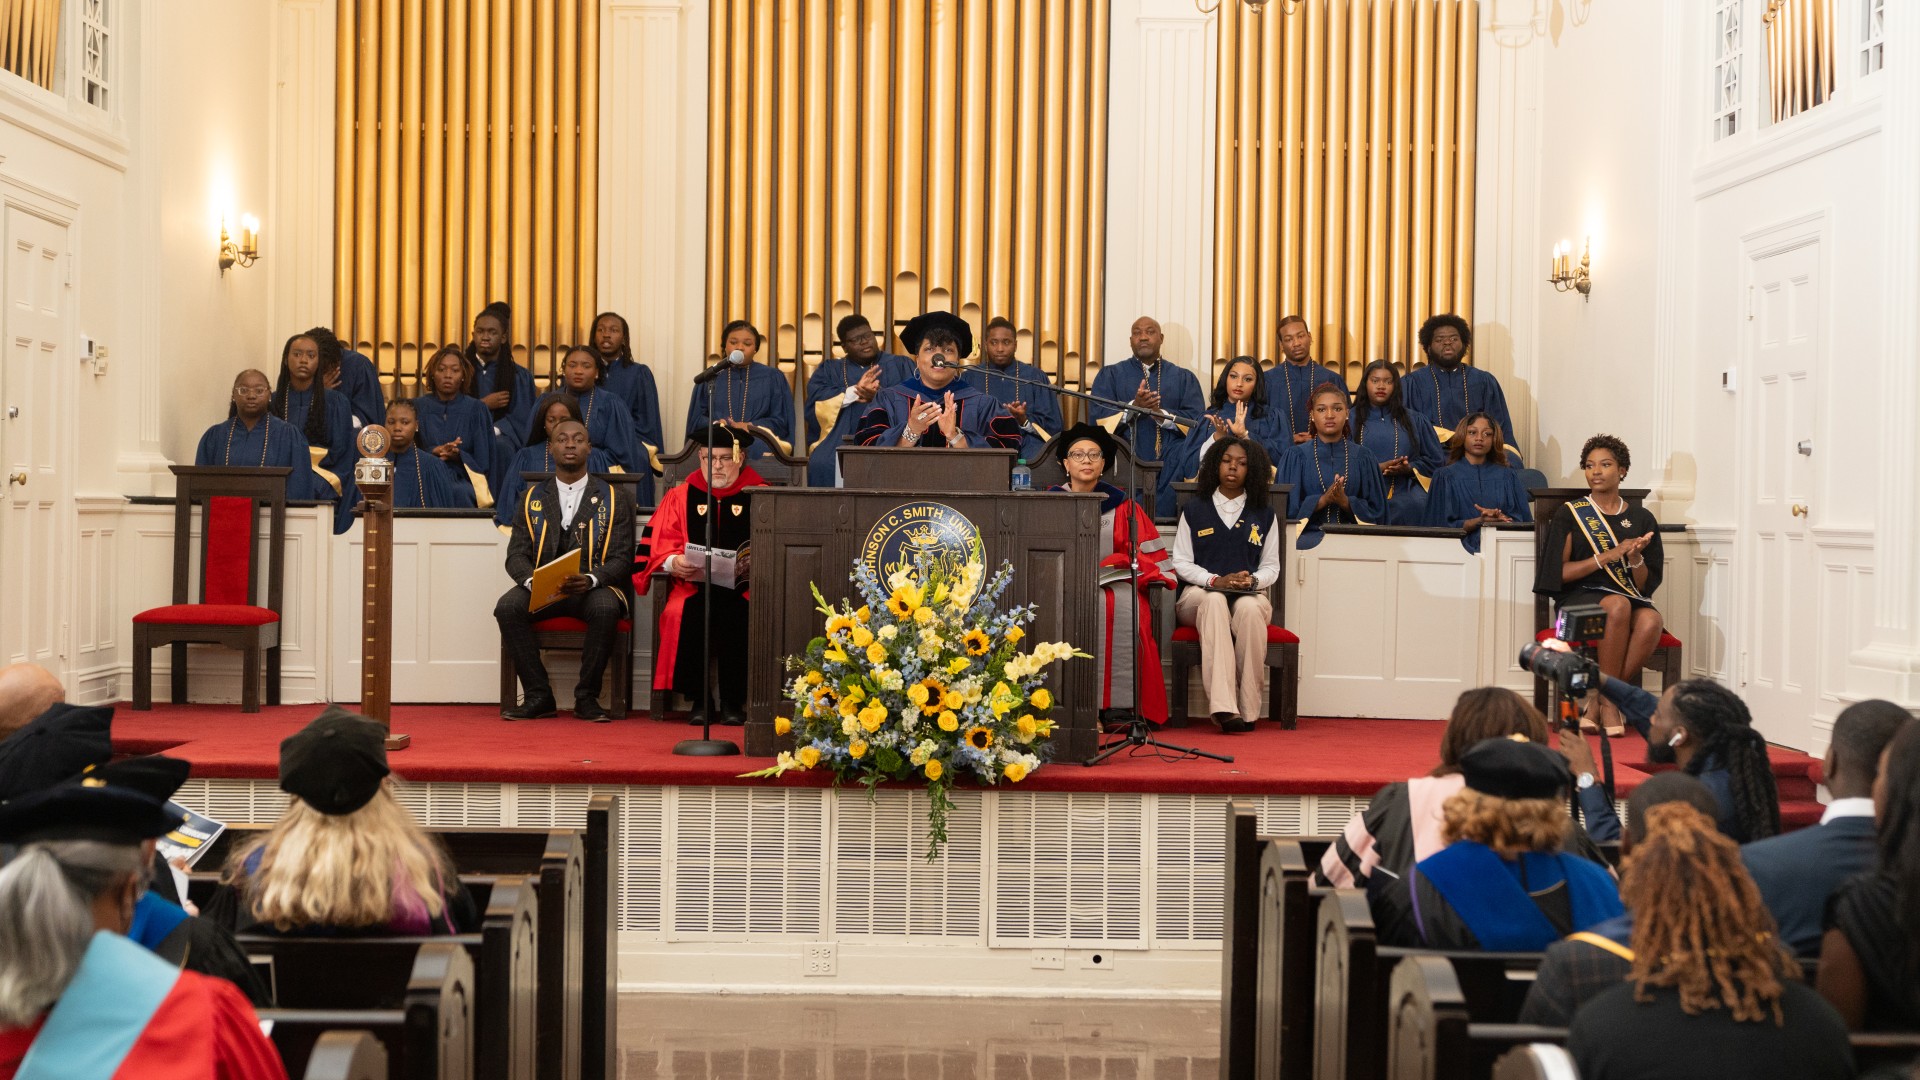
1566, 277
246, 250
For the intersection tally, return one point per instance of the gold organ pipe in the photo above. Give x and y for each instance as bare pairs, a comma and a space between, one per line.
1294, 102
739, 63
1094, 353
406, 350
586, 212
1420, 162
718, 110
499, 163
761, 240
1260, 294
842, 284
481, 185
345, 70
519, 239
567, 329
1328, 337
1225, 233
876, 165
1353, 313
540, 272
1070, 284
1052, 183
909, 159
1307, 271
1247, 199
937, 277
430, 189
1005, 164
1446, 97
1468, 81
386, 316
1399, 258
366, 159
1379, 143
1026, 169
786, 253
814, 330
453, 130
974, 163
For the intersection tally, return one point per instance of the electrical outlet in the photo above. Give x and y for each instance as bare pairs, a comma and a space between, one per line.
1049, 960
1094, 961
821, 958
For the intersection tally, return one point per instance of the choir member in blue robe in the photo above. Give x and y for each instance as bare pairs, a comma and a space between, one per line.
936, 407
419, 479
352, 374
1293, 379
1408, 451
1447, 389
498, 380
839, 393
1239, 407
1503, 882
554, 408
325, 417
1035, 408
1335, 480
252, 437
1478, 487
631, 382
609, 428
456, 428
750, 394
1152, 382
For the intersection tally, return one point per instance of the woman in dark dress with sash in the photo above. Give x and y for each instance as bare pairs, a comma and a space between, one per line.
1601, 551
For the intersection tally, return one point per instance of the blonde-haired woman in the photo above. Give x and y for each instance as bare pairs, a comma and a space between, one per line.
1502, 883
346, 856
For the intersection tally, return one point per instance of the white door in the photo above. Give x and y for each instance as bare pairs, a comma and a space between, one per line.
34, 392
1780, 659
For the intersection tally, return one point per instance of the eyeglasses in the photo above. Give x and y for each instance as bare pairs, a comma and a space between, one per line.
1085, 455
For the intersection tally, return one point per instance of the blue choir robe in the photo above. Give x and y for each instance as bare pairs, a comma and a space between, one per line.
333, 463
755, 394
1183, 461
1043, 406
610, 429
1374, 428
632, 383
466, 419
422, 482
360, 382
1289, 388
983, 420
538, 458
1444, 397
1179, 394
1461, 486
1311, 466
512, 423
272, 443
829, 411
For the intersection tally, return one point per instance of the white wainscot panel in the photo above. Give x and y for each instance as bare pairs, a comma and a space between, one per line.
447, 574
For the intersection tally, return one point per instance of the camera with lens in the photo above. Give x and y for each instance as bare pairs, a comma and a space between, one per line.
1573, 673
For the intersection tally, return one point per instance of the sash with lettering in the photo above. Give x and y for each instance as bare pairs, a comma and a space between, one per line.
1599, 532
540, 507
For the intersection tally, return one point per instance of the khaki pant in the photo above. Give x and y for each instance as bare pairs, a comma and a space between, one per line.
1233, 647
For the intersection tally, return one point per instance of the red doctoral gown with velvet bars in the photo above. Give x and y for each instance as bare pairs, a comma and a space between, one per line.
1128, 520
668, 536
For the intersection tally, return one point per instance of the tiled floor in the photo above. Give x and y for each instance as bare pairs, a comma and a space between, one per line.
713, 1037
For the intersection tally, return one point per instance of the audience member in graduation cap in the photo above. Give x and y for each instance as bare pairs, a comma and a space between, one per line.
1503, 882
55, 745
77, 997
681, 520
1085, 451
420, 480
749, 395
936, 407
346, 857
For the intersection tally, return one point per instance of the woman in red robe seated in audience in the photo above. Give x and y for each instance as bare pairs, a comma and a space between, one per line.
680, 520
1085, 451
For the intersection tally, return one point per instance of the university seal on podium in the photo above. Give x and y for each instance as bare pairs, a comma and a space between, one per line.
902, 535
373, 441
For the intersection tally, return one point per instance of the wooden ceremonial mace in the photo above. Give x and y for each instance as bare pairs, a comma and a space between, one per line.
373, 475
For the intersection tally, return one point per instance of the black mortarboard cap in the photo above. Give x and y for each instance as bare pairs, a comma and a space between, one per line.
53, 746
917, 327
724, 436
153, 775
1513, 768
1092, 433
86, 809
336, 763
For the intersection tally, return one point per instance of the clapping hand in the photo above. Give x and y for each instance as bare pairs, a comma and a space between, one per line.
448, 451
1018, 410
1399, 466
1491, 515
1145, 398
949, 419
1336, 494
868, 384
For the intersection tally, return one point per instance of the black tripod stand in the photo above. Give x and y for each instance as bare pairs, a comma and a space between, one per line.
1138, 731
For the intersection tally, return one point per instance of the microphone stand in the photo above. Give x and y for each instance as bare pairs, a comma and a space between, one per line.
706, 745
1139, 731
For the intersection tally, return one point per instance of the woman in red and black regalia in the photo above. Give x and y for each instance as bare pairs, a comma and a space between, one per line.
78, 999
1085, 451
680, 520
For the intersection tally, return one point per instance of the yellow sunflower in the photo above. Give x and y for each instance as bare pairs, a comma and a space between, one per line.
979, 738
933, 769
903, 602
837, 623
976, 642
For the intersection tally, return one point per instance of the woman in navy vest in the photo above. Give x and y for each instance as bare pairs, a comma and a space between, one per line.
1226, 554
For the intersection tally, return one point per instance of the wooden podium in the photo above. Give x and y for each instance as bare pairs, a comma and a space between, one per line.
810, 536
906, 468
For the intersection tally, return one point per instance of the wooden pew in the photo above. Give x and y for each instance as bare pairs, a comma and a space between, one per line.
350, 973
1432, 1033
347, 1055
1353, 982
427, 1033
600, 942
1249, 959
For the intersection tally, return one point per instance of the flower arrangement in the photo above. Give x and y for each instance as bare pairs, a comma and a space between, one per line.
924, 679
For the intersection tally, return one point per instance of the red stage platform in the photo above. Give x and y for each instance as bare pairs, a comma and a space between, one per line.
470, 743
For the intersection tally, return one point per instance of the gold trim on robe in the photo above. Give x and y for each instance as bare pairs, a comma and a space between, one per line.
827, 412
482, 493
319, 454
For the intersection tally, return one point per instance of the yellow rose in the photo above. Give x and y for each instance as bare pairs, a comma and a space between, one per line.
872, 718
876, 652
862, 637
1041, 699
807, 756
782, 725
949, 722
814, 678
864, 614
1016, 772
1014, 634
857, 749
953, 699
934, 769
917, 693
1027, 726
923, 615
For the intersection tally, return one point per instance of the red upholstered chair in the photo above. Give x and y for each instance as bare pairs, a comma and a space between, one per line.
1283, 645
571, 635
1666, 659
228, 612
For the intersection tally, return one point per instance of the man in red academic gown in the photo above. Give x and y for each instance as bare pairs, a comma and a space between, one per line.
123, 1013
714, 496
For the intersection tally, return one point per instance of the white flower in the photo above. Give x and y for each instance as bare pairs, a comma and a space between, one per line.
889, 679
928, 650
849, 726
887, 632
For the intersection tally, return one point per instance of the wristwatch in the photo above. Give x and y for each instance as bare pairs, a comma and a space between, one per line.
1584, 781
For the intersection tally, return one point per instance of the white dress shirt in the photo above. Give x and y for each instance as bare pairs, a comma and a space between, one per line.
1840, 808
570, 496
1229, 510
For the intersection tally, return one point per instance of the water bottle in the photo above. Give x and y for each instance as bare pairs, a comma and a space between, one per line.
1022, 476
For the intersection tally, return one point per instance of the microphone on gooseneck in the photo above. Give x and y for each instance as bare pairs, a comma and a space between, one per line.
955, 365
734, 359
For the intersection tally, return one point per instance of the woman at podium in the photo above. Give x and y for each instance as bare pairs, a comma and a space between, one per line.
936, 407
1085, 450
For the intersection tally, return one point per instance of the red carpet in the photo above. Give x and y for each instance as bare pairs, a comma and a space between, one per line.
471, 743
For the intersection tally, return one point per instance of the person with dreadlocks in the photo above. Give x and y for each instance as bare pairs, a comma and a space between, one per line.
746, 394
1870, 956
324, 417
252, 437
455, 427
351, 373
1711, 991
631, 382
1705, 729
554, 408
501, 384
420, 481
